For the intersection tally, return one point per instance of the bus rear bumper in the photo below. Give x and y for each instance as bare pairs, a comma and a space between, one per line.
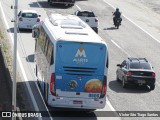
77, 103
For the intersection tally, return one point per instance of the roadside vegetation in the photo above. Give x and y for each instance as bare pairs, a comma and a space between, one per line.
6, 50
1, 36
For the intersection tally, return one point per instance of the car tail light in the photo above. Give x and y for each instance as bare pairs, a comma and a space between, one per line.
38, 19
52, 85
153, 74
129, 73
104, 87
96, 20
20, 19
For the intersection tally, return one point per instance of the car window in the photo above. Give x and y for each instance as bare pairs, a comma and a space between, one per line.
138, 65
29, 15
86, 14
123, 63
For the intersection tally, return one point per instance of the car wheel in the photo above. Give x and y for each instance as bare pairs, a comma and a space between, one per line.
152, 87
124, 85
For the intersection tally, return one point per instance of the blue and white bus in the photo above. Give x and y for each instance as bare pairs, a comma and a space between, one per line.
71, 63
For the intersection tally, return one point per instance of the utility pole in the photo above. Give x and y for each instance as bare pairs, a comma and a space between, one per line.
14, 85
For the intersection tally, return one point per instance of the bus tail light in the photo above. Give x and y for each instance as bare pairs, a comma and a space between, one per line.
52, 85
104, 87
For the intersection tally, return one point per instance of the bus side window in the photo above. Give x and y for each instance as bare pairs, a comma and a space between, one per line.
46, 45
50, 53
43, 42
42, 39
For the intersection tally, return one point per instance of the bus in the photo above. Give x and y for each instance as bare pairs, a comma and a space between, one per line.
71, 63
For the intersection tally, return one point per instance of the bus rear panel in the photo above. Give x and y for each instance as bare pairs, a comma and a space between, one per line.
79, 80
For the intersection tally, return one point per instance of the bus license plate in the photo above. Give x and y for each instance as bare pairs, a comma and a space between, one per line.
77, 102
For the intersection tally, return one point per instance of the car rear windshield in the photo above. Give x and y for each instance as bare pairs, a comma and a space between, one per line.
138, 65
29, 15
86, 14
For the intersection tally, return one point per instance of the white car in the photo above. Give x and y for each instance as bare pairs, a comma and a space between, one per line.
27, 19
88, 17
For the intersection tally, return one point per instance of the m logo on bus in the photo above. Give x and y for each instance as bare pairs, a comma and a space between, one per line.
80, 56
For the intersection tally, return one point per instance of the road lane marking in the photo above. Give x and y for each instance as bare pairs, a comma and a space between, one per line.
116, 44
135, 23
20, 63
40, 6
109, 104
120, 48
78, 7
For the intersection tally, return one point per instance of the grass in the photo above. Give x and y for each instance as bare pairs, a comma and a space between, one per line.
1, 36
5, 49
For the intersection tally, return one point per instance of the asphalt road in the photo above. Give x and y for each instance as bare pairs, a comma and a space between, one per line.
137, 37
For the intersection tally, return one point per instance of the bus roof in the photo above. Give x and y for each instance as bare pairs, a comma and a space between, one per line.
70, 28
